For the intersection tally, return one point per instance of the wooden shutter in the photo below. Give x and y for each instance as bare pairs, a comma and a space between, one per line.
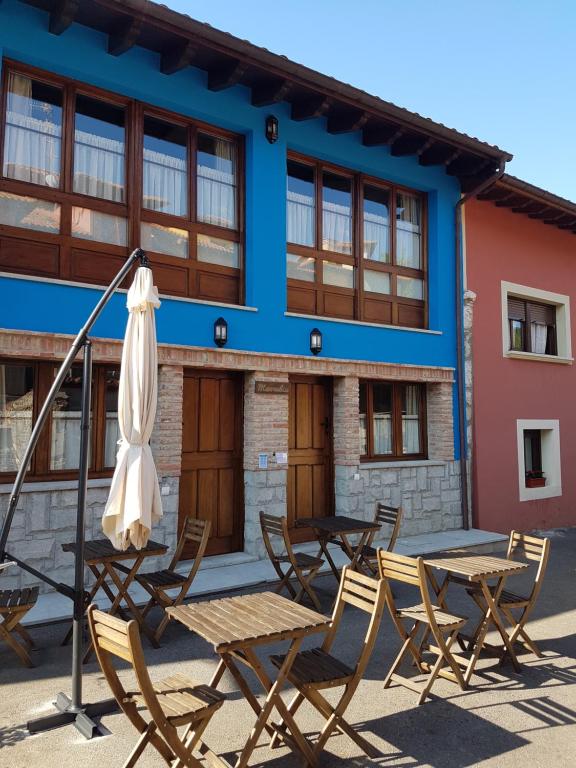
542, 313
516, 309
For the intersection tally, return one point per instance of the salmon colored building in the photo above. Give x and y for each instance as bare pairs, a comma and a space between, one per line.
521, 286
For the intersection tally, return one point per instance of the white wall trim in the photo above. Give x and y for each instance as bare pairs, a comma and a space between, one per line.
550, 429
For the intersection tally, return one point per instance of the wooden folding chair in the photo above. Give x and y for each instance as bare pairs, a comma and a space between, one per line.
525, 547
14, 605
431, 618
171, 703
300, 565
389, 518
316, 669
156, 583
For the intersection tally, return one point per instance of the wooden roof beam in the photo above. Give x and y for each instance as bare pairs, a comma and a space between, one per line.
177, 57
381, 134
509, 201
62, 15
466, 165
124, 35
310, 107
438, 154
410, 144
226, 75
267, 93
529, 206
346, 121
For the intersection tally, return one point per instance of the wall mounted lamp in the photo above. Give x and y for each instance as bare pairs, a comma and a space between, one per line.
272, 129
220, 332
315, 341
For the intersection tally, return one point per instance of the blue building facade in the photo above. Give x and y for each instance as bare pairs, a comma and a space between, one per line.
261, 423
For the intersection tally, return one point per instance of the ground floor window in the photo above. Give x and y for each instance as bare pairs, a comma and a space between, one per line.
539, 471
23, 388
392, 420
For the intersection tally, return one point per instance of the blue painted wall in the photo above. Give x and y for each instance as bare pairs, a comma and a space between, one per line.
80, 53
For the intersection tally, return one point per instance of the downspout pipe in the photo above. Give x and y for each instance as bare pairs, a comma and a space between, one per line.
460, 364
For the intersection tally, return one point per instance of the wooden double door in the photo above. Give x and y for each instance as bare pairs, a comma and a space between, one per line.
310, 464
211, 483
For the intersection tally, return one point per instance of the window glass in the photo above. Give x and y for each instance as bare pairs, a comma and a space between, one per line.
408, 217
411, 419
99, 149
30, 213
300, 267
341, 275
169, 240
410, 287
382, 418
216, 181
376, 224
517, 335
336, 213
217, 251
33, 135
65, 428
16, 410
111, 428
376, 282
97, 226
301, 207
165, 167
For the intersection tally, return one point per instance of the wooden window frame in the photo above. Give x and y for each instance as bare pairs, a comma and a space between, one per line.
529, 308
397, 391
173, 275
361, 303
43, 373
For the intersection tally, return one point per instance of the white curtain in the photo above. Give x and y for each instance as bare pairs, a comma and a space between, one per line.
216, 186
111, 439
408, 231
32, 144
363, 435
538, 336
336, 228
382, 433
376, 237
98, 166
15, 421
411, 421
300, 219
165, 183
65, 440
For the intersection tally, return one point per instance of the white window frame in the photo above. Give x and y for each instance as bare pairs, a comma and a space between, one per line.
563, 334
550, 442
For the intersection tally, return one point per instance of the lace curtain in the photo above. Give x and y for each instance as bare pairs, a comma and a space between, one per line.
411, 421
336, 228
376, 237
216, 186
98, 166
300, 219
382, 425
538, 337
408, 231
165, 183
15, 425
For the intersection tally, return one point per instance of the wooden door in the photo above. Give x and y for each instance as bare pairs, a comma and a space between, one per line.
310, 476
211, 481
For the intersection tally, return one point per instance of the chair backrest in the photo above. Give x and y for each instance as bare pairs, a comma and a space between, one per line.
114, 638
408, 570
195, 533
275, 527
365, 593
533, 548
388, 518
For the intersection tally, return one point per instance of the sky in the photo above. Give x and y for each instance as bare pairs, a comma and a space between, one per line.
501, 70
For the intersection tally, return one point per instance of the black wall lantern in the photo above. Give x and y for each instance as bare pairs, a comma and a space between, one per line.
272, 129
315, 341
220, 332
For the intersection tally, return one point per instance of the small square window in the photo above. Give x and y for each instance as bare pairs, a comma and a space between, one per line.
539, 470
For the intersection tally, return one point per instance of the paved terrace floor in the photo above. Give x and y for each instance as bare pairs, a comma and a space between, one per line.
505, 719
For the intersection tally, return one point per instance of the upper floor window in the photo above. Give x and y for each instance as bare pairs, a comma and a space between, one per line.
109, 175
355, 246
23, 387
532, 326
392, 420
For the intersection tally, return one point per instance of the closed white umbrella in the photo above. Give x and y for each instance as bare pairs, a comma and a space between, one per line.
134, 503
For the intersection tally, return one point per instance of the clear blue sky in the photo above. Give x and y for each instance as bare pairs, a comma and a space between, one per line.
501, 70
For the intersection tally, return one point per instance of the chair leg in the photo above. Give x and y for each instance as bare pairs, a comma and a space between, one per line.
17, 647
306, 588
518, 631
24, 635
292, 707
140, 746
408, 645
444, 657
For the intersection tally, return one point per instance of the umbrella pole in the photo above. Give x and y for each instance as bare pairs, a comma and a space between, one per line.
72, 710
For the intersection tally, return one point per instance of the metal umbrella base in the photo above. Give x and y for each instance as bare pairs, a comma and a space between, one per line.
83, 718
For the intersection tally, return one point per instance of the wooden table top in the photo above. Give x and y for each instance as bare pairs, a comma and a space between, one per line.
477, 567
234, 622
338, 524
99, 550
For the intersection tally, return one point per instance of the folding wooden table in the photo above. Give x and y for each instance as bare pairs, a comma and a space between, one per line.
235, 626
477, 570
336, 530
105, 561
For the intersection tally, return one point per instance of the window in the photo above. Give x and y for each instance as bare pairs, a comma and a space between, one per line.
532, 327
355, 246
539, 468
392, 420
87, 176
23, 387
535, 324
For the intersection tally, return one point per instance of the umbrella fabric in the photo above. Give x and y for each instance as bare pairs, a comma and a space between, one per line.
134, 503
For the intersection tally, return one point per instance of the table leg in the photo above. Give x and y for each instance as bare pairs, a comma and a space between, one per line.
324, 549
493, 615
123, 594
